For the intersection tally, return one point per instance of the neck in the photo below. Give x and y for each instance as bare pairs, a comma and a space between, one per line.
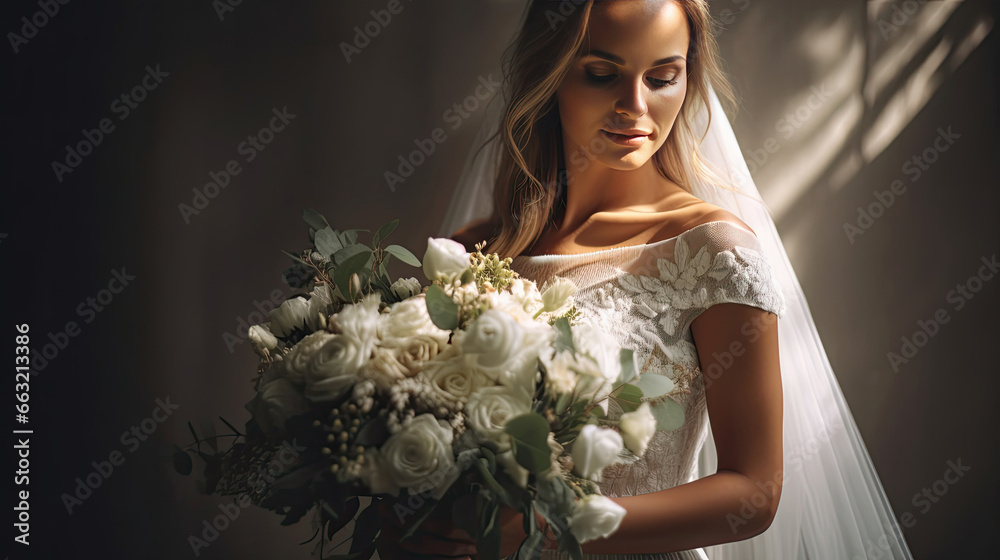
599, 189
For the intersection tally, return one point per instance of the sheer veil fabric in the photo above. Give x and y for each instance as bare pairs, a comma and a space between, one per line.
832, 502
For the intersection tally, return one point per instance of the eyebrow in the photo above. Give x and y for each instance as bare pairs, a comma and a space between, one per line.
618, 60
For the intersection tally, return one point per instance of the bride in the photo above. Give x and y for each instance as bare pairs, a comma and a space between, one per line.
613, 165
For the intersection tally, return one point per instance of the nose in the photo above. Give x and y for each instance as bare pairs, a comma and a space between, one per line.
631, 100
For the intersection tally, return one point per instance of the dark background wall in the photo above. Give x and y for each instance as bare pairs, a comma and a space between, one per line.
885, 78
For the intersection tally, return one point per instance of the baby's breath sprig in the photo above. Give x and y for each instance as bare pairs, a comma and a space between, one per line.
492, 273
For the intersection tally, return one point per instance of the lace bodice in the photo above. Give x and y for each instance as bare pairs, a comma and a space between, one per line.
647, 296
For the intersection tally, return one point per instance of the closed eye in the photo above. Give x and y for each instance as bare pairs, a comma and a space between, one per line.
606, 78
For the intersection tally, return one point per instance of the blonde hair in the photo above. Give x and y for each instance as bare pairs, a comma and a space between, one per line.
528, 179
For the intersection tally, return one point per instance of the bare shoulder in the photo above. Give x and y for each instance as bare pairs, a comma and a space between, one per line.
705, 212
474, 232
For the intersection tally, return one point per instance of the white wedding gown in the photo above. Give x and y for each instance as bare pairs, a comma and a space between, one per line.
646, 296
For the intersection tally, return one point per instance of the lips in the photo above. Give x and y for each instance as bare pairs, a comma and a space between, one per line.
626, 137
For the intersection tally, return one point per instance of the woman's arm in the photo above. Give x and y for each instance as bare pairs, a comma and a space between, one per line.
745, 408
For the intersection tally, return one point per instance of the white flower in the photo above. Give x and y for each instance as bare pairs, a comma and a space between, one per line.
335, 366
405, 287
291, 314
599, 345
281, 400
557, 294
360, 320
594, 449
595, 517
526, 294
560, 370
297, 361
489, 409
417, 457
406, 319
637, 428
384, 368
505, 349
453, 379
262, 339
445, 259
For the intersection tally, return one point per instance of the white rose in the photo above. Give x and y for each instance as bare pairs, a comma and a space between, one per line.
416, 351
418, 457
291, 314
405, 287
505, 349
297, 361
526, 294
384, 368
281, 400
262, 339
445, 259
637, 428
453, 380
489, 409
408, 318
594, 449
595, 517
557, 294
335, 366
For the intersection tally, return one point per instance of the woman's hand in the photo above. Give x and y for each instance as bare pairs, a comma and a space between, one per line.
437, 538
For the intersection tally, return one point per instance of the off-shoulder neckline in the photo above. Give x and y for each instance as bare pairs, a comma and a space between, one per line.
630, 247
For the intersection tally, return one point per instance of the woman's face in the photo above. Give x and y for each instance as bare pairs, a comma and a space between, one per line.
619, 101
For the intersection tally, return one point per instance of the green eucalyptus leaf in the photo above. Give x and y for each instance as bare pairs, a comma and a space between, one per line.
315, 220
628, 397
347, 252
529, 435
353, 264
350, 237
628, 366
442, 309
654, 384
182, 461
403, 254
328, 242
294, 257
669, 415
384, 231
564, 338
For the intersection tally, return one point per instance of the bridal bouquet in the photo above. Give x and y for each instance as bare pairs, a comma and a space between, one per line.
480, 387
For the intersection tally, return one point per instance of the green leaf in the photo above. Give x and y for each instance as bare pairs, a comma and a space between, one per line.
354, 263
342, 517
654, 384
373, 433
294, 257
628, 366
403, 254
442, 309
384, 231
327, 242
350, 237
529, 435
564, 338
347, 252
569, 544
315, 220
531, 547
669, 415
629, 397
366, 530
488, 545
